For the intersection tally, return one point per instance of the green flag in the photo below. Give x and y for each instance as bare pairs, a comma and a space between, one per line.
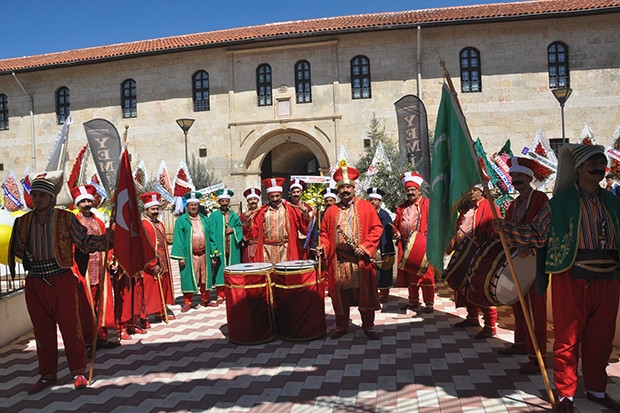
454, 171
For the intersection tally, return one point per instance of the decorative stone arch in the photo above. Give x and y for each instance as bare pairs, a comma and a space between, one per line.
301, 144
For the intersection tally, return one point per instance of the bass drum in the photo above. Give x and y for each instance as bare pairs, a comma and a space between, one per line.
491, 279
456, 272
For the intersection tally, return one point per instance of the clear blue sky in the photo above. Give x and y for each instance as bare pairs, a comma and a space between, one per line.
32, 27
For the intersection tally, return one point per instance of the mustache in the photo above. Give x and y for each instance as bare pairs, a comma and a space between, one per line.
517, 182
596, 172
345, 193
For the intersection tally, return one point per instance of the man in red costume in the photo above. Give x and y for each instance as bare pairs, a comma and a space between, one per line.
276, 226
44, 240
158, 290
252, 196
90, 266
523, 210
350, 234
475, 221
412, 218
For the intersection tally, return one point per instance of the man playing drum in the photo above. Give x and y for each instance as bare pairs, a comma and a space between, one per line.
578, 232
276, 226
523, 210
474, 222
385, 252
412, 220
350, 234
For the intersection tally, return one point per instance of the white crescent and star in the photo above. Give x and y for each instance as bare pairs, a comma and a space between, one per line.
124, 204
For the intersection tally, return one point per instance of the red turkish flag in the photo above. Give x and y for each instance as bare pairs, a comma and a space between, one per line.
132, 248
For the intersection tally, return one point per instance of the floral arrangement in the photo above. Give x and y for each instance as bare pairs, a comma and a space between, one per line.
25, 181
587, 140
12, 193
140, 177
98, 197
614, 167
543, 172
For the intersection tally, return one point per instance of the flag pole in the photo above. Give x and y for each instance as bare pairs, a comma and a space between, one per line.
526, 313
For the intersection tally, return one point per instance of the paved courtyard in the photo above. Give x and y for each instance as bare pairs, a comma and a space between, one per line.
421, 364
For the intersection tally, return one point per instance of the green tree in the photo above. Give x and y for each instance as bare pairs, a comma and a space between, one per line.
386, 177
201, 176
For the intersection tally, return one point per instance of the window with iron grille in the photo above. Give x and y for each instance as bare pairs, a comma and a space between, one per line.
129, 99
303, 89
360, 78
557, 60
471, 75
63, 107
200, 91
263, 85
4, 112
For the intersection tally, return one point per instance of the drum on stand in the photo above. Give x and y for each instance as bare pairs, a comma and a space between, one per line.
491, 279
458, 267
299, 301
249, 301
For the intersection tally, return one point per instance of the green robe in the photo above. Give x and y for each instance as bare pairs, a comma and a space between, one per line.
182, 250
218, 226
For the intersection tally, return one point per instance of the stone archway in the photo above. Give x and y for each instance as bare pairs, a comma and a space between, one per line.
286, 153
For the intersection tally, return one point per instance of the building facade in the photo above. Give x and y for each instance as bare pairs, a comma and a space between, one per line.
283, 99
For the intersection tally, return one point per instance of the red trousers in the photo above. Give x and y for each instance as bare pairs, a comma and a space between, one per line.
50, 306
425, 282
488, 313
204, 295
537, 307
584, 315
348, 296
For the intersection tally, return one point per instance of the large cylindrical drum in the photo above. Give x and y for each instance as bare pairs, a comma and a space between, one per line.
299, 301
490, 279
249, 301
455, 274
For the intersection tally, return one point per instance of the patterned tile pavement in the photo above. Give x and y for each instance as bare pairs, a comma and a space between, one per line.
421, 364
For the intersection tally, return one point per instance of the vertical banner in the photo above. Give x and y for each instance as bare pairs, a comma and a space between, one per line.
413, 135
105, 145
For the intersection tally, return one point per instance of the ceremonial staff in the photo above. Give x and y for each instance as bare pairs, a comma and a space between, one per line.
508, 254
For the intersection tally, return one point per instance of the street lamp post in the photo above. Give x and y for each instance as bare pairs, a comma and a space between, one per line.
185, 124
562, 95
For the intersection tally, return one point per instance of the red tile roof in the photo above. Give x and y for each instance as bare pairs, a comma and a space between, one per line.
314, 27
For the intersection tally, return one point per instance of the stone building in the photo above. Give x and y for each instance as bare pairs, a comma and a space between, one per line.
282, 99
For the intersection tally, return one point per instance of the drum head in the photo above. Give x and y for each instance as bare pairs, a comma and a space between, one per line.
249, 267
505, 291
295, 265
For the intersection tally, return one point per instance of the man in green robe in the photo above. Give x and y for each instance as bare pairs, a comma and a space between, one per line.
227, 235
191, 248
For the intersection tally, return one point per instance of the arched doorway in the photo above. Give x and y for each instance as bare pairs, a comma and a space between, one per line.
287, 153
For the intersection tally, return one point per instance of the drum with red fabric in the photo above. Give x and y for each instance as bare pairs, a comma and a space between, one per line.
455, 274
249, 298
490, 277
299, 301
413, 259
